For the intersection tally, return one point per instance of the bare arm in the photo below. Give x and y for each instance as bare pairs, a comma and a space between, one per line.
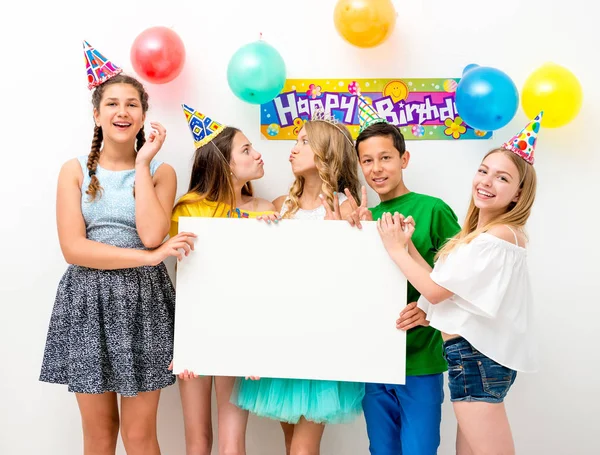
154, 199
419, 277
76, 248
414, 253
395, 239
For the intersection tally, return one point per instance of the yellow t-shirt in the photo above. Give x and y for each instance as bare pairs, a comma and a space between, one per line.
207, 209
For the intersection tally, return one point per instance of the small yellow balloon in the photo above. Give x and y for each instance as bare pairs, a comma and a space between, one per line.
365, 23
556, 91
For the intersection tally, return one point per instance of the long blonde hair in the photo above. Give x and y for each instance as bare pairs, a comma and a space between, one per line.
517, 213
335, 160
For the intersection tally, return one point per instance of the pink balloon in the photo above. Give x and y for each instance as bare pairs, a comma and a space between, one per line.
158, 55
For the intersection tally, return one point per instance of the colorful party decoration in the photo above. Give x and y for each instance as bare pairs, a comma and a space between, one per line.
99, 68
486, 98
203, 128
523, 143
423, 108
555, 90
158, 55
256, 72
365, 23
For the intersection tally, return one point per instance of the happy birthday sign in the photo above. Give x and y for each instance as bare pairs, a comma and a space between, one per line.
423, 109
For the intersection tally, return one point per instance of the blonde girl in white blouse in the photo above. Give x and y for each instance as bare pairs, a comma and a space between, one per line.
478, 294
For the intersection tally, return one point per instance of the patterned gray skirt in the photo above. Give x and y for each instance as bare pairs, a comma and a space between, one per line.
111, 331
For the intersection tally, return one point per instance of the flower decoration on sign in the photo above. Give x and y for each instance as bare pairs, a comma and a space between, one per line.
454, 127
314, 91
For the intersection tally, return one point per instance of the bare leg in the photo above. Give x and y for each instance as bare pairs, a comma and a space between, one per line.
288, 433
196, 403
462, 446
100, 422
138, 423
485, 427
307, 438
232, 420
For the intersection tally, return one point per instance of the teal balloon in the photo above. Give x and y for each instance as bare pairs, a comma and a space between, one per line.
256, 73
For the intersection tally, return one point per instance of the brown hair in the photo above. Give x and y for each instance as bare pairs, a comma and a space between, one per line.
211, 172
335, 160
517, 213
94, 189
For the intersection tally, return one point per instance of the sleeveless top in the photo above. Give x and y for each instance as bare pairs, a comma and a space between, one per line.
110, 218
492, 305
314, 214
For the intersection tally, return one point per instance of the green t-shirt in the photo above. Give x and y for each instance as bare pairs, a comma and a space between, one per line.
435, 223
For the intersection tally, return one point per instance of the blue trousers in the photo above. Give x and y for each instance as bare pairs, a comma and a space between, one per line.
405, 419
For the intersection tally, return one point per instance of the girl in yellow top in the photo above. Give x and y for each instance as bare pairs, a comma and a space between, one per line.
221, 174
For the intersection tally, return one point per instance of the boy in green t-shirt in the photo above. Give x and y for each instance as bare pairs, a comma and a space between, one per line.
405, 419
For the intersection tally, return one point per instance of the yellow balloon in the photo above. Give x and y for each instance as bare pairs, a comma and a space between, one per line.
365, 23
556, 91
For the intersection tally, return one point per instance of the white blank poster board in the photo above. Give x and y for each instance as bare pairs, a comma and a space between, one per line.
297, 299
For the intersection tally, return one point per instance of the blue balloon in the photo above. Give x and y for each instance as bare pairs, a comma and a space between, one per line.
469, 67
486, 98
256, 73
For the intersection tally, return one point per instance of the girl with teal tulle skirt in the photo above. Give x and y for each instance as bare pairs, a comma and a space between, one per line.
324, 162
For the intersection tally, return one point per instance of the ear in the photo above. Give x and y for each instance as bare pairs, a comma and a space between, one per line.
405, 159
143, 119
517, 196
96, 117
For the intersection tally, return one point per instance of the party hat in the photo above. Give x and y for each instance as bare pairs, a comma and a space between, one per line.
99, 68
367, 115
523, 144
203, 128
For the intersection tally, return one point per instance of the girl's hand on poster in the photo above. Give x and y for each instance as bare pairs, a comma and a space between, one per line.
177, 246
411, 316
253, 378
186, 375
391, 230
272, 218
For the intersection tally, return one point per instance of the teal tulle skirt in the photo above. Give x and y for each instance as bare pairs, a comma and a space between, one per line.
287, 400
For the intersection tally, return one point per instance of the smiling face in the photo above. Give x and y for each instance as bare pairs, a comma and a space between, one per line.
246, 163
496, 184
120, 113
382, 165
397, 90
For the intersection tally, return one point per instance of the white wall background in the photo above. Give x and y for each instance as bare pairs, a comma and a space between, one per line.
45, 119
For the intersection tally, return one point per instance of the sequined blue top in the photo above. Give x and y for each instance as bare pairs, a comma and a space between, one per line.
110, 218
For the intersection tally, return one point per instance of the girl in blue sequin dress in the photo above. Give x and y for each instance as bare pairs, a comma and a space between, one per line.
111, 329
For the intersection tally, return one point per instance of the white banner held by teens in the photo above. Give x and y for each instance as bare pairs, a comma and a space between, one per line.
297, 299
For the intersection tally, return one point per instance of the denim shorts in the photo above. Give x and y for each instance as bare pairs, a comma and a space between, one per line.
474, 377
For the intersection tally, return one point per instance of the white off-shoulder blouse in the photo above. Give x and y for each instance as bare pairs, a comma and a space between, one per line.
492, 304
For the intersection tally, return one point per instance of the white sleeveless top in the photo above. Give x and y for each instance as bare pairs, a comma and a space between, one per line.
492, 304
314, 214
